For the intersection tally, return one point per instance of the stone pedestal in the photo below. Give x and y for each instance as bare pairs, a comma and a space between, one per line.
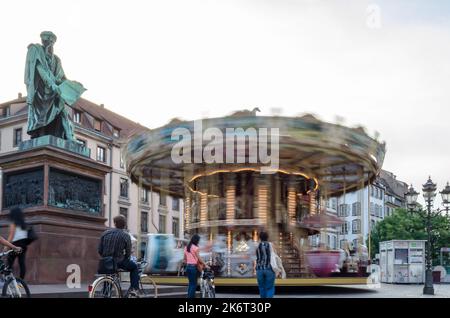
61, 191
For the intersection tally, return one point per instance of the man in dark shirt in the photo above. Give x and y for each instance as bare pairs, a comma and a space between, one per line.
117, 243
264, 272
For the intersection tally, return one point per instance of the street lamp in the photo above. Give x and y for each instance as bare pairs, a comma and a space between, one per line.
411, 198
446, 197
429, 193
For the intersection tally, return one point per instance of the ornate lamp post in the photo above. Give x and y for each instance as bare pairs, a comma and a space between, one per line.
411, 198
429, 193
446, 198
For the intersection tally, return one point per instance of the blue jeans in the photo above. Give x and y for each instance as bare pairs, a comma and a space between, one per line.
192, 273
132, 267
266, 282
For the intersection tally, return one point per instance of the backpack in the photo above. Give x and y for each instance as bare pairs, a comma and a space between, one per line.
276, 263
31, 234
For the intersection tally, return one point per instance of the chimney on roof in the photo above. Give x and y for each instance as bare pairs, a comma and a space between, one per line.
19, 95
102, 105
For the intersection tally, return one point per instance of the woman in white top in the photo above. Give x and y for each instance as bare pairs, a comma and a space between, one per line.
18, 235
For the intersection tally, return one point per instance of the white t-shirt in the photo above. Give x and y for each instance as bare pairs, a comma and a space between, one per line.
20, 234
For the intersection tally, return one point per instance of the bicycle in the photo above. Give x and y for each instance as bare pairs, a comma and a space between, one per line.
207, 288
12, 287
109, 285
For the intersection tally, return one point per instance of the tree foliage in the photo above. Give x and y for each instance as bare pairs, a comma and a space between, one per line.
404, 225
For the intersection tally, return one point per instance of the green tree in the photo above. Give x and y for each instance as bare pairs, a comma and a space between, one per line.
404, 225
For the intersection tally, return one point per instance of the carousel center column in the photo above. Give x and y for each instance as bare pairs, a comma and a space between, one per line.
292, 202
230, 193
203, 206
262, 201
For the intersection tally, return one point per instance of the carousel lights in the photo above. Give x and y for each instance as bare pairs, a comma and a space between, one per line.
255, 236
230, 201
187, 208
312, 201
281, 244
246, 169
208, 174
262, 203
203, 209
291, 205
201, 193
229, 253
250, 169
316, 182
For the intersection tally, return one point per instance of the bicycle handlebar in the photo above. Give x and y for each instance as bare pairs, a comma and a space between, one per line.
6, 253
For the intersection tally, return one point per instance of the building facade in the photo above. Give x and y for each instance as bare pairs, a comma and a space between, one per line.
395, 192
361, 210
103, 132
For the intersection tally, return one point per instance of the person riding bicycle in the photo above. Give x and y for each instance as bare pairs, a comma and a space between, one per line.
10, 245
116, 242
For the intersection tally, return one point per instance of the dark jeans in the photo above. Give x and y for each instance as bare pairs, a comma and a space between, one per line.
192, 274
132, 267
266, 282
12, 257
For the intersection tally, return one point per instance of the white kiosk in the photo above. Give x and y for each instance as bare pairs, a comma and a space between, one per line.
402, 262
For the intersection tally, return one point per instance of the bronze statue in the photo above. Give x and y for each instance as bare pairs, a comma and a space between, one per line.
48, 91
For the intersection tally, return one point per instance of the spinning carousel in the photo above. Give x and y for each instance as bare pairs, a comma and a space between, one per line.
229, 202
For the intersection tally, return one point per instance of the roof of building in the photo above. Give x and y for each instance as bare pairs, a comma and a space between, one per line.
393, 186
126, 127
19, 100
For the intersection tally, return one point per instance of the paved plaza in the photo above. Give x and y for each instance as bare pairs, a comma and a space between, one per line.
383, 291
359, 291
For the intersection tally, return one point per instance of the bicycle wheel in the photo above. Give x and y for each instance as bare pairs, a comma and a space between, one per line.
148, 287
207, 289
105, 287
15, 288
210, 290
203, 288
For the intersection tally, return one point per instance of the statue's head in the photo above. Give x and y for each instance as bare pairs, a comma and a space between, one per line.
48, 38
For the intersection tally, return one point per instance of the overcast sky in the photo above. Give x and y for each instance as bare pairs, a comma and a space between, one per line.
382, 64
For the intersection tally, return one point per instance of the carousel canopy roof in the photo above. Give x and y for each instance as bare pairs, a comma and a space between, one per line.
338, 158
